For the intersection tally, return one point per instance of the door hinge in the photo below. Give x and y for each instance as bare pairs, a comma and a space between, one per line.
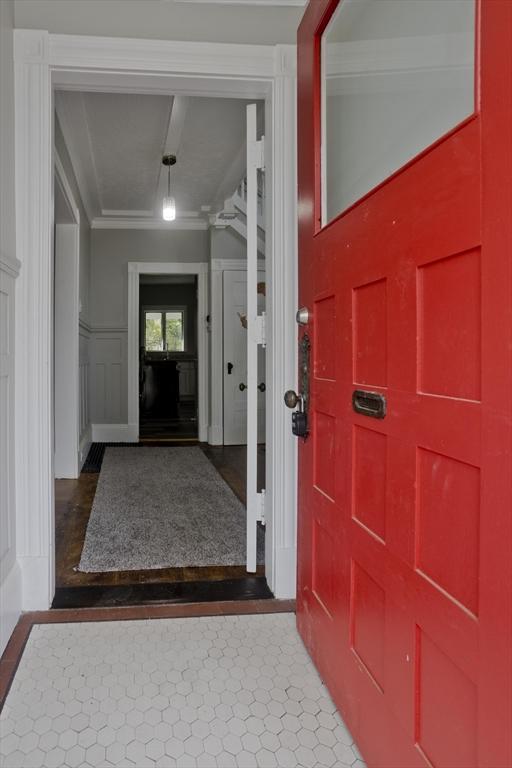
257, 154
260, 507
260, 329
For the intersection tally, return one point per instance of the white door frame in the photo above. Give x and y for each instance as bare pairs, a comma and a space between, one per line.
43, 61
66, 348
217, 269
135, 269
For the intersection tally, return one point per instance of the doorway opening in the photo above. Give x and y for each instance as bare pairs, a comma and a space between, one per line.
214, 70
159, 508
168, 391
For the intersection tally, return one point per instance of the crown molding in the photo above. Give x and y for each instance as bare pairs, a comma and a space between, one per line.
164, 56
123, 223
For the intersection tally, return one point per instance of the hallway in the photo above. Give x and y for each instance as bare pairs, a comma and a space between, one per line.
75, 588
212, 691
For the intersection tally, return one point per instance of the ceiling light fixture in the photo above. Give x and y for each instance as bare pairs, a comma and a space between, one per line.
169, 203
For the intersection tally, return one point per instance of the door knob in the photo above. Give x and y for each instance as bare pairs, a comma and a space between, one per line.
262, 387
241, 387
302, 316
292, 399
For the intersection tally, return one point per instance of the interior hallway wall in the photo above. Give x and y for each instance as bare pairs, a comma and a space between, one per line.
112, 250
10, 574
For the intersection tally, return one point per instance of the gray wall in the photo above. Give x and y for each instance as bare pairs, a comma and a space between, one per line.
161, 20
112, 249
226, 244
85, 229
162, 295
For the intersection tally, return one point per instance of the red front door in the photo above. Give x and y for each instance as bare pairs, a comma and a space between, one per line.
405, 495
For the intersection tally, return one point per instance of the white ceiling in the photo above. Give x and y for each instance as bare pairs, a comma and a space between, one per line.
116, 142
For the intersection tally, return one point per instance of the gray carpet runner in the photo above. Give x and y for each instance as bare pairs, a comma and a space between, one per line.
163, 508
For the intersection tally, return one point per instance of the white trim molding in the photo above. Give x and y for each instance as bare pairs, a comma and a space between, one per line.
135, 269
43, 60
34, 318
140, 223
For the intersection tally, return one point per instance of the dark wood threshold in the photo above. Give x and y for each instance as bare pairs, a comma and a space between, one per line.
91, 596
16, 645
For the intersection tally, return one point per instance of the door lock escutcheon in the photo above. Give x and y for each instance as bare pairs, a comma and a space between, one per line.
301, 400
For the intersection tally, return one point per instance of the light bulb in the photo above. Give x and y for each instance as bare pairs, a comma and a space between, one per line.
169, 209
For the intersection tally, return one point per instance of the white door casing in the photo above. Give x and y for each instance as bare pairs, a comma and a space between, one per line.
235, 354
43, 61
135, 269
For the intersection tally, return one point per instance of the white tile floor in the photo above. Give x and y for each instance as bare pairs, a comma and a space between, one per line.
216, 692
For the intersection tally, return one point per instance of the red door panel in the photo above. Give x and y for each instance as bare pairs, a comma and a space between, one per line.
405, 537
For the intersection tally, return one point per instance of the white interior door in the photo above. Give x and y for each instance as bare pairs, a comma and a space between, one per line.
235, 360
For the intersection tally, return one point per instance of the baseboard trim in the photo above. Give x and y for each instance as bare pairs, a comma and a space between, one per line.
115, 433
36, 581
84, 447
284, 581
10, 603
215, 436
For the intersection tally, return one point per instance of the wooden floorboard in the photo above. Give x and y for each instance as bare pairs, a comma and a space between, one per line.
73, 505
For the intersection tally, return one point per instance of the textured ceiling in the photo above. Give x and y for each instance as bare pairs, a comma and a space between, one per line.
116, 142
127, 136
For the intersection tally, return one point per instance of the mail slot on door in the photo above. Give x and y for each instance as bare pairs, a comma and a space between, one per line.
371, 404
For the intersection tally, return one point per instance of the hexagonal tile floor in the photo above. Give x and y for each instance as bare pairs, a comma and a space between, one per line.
215, 691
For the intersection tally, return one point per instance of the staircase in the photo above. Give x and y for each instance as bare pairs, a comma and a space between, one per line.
234, 212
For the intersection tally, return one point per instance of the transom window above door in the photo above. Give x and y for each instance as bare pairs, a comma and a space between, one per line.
164, 330
396, 76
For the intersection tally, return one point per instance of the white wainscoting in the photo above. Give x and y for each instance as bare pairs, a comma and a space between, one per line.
108, 376
10, 574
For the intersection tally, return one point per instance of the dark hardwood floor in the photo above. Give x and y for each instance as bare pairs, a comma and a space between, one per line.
73, 504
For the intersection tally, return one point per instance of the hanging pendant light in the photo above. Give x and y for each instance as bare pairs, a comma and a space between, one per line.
169, 203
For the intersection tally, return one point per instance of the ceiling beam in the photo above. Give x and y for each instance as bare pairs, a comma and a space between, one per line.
172, 143
72, 117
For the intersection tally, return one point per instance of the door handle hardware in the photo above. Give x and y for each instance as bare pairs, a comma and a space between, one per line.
302, 317
230, 368
262, 387
292, 399
241, 387
371, 404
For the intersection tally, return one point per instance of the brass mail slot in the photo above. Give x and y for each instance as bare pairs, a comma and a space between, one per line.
371, 404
